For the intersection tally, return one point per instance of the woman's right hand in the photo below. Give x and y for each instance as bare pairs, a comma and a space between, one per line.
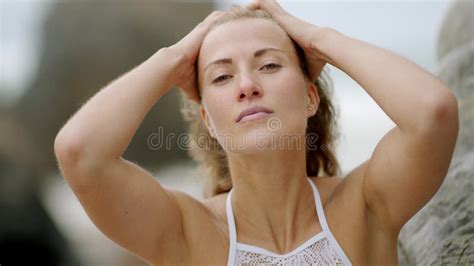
188, 49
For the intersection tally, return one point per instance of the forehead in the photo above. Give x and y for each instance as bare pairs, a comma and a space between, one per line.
244, 36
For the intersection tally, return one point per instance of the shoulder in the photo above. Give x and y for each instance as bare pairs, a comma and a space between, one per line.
341, 197
202, 221
344, 194
348, 187
329, 188
197, 210
217, 206
349, 217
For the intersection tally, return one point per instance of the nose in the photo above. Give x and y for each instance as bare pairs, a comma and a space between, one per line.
249, 88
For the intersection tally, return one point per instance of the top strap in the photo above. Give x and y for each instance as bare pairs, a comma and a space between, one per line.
324, 224
232, 233
319, 207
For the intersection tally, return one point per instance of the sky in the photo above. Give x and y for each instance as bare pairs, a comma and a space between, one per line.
408, 28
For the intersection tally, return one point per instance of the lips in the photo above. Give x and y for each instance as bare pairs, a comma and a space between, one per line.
253, 110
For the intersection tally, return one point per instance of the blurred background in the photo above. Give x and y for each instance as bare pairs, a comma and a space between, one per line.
55, 55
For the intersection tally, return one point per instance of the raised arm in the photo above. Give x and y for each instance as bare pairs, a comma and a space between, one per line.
123, 200
411, 161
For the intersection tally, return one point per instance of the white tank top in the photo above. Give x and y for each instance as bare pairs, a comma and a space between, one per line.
321, 249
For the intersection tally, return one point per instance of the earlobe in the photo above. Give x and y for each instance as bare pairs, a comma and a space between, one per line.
313, 99
205, 119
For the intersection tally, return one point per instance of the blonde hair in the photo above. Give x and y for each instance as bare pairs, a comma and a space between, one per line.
212, 157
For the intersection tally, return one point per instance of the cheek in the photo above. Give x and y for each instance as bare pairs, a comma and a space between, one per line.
218, 108
290, 100
290, 92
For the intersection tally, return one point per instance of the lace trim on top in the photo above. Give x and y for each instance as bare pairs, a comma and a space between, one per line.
321, 249
317, 253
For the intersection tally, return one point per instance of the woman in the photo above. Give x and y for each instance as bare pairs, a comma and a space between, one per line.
252, 74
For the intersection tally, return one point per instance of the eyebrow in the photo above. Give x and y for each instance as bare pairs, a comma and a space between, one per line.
257, 54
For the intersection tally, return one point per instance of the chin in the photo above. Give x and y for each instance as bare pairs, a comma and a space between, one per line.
260, 142
248, 141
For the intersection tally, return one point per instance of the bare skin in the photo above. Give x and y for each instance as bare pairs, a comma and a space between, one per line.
361, 235
365, 210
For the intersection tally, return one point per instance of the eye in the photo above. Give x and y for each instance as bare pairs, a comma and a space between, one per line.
220, 79
271, 66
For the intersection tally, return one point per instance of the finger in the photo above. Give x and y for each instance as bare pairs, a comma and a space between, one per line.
190, 92
271, 6
213, 14
291, 24
253, 5
199, 31
193, 91
196, 99
315, 69
211, 18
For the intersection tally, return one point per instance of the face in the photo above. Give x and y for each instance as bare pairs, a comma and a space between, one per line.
247, 63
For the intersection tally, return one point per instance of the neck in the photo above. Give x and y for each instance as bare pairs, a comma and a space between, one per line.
272, 197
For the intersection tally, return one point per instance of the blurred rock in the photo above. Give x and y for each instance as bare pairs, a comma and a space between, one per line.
456, 66
27, 233
442, 233
86, 45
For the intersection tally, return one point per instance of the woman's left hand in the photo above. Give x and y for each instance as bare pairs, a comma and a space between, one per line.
303, 33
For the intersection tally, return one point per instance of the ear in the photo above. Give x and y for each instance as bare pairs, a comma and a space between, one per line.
205, 118
313, 98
